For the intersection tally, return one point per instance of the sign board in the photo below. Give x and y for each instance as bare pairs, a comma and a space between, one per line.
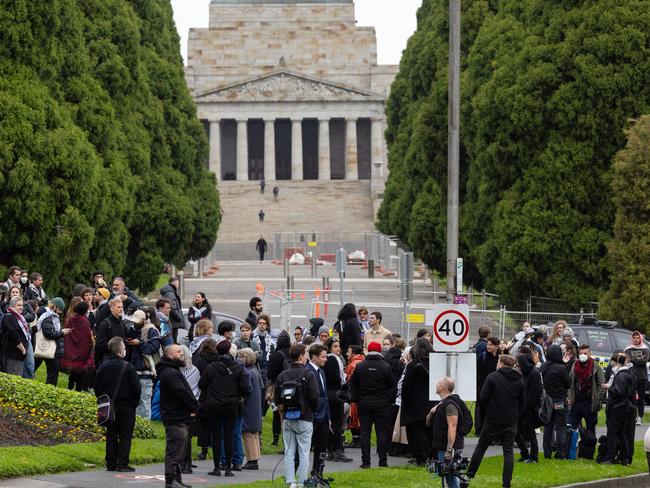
463, 372
459, 275
415, 318
460, 299
312, 244
450, 327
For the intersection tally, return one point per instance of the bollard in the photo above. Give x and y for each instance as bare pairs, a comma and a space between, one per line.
313, 265
181, 284
285, 268
371, 268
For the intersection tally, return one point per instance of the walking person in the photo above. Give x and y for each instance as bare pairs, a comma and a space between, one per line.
276, 192
119, 380
372, 388
297, 412
557, 384
261, 246
223, 384
262, 185
178, 408
50, 324
261, 215
501, 397
639, 355
528, 419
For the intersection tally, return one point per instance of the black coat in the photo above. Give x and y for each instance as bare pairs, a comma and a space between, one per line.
278, 362
415, 393
556, 377
487, 364
101, 313
502, 396
349, 334
112, 326
11, 336
532, 390
176, 315
50, 332
372, 383
224, 384
128, 395
622, 393
177, 402
394, 359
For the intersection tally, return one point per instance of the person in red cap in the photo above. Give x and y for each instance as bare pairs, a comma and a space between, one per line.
371, 387
639, 355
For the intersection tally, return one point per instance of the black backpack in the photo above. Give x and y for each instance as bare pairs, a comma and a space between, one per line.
291, 397
587, 444
465, 422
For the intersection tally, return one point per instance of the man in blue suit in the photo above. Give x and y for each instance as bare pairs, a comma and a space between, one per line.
320, 436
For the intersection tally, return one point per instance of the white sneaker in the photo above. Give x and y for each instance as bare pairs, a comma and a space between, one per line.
293, 485
639, 421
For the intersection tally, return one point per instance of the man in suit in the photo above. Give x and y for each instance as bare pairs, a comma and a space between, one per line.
320, 436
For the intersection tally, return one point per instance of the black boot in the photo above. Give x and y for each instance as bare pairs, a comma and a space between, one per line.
251, 465
203, 454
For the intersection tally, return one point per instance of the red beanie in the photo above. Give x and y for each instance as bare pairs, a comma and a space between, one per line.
374, 347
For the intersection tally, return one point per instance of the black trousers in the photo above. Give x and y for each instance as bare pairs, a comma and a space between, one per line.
277, 425
204, 439
558, 425
52, 366
419, 443
222, 421
176, 436
336, 435
79, 381
118, 438
620, 434
640, 391
380, 417
262, 255
489, 434
319, 438
526, 437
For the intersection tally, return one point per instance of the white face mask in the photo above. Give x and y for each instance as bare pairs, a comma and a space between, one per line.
583, 358
23, 279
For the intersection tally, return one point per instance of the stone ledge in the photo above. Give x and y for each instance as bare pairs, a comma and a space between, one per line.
641, 480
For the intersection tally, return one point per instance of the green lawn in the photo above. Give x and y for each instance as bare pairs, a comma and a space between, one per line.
547, 473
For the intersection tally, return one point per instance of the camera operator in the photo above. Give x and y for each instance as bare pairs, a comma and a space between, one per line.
448, 441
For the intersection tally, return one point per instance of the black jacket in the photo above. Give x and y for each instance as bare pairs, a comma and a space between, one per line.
50, 332
224, 384
109, 328
502, 396
440, 428
128, 396
486, 364
11, 336
394, 359
623, 390
415, 393
349, 334
101, 313
372, 383
556, 377
251, 319
132, 302
202, 360
310, 389
176, 315
279, 360
532, 389
177, 402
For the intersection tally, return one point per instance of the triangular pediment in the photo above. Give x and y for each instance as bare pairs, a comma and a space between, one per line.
281, 86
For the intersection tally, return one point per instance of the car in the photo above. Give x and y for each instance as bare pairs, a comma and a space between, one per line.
603, 338
217, 318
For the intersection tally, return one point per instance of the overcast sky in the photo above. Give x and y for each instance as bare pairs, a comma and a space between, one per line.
393, 20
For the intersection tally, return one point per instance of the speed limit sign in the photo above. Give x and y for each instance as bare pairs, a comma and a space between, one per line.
450, 327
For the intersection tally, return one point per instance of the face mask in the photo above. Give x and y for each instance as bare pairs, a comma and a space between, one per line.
23, 279
384, 348
583, 358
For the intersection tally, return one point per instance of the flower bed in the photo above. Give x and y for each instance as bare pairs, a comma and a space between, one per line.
61, 406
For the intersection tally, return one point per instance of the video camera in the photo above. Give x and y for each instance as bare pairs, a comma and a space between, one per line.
456, 466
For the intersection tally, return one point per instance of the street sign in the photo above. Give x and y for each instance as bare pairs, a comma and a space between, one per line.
450, 327
459, 275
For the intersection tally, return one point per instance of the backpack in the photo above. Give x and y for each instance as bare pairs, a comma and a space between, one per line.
465, 422
587, 444
291, 397
602, 449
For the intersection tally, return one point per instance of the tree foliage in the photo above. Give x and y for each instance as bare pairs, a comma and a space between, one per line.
102, 154
548, 87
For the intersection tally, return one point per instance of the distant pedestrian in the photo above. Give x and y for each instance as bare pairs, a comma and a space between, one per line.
262, 185
170, 292
119, 380
261, 215
276, 192
261, 245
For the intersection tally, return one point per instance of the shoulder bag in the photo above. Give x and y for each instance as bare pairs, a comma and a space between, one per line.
106, 404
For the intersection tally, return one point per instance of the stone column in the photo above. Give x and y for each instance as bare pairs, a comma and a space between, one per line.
214, 162
351, 160
296, 149
242, 150
324, 158
269, 150
377, 147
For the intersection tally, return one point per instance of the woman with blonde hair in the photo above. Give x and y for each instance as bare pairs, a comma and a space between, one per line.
556, 335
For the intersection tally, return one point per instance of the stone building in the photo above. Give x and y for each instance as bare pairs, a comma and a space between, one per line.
290, 90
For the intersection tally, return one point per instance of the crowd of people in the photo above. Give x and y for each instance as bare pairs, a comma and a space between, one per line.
318, 381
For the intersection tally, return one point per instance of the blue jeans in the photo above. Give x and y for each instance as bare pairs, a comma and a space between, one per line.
452, 481
238, 446
28, 364
296, 433
146, 390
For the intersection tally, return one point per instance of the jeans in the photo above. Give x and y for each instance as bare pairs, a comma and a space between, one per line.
296, 433
146, 390
28, 365
489, 434
238, 446
176, 436
557, 425
222, 426
381, 418
451, 481
118, 438
582, 410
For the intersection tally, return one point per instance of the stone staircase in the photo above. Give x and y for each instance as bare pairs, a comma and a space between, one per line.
302, 206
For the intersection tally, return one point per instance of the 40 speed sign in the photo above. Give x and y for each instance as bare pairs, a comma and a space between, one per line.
450, 327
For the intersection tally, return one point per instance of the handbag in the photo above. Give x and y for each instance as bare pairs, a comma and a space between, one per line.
545, 411
44, 348
106, 405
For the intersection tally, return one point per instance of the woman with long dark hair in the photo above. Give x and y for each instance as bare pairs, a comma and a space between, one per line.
348, 327
335, 378
200, 309
78, 359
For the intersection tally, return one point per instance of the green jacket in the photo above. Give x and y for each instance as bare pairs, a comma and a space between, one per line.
597, 392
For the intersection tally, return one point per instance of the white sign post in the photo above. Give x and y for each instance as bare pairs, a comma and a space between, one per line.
459, 276
450, 327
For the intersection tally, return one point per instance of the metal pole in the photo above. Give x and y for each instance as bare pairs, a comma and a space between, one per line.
453, 151
313, 265
341, 275
202, 268
452, 364
285, 268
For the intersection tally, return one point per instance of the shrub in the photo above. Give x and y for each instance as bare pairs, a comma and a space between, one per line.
65, 406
